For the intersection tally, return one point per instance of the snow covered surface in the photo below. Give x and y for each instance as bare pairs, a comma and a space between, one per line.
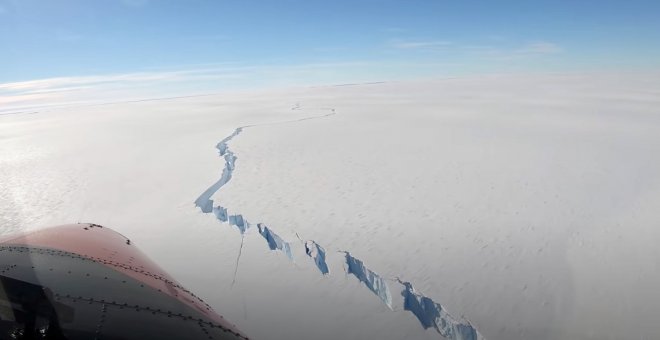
522, 206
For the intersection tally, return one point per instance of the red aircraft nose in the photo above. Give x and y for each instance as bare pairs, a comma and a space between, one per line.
82, 281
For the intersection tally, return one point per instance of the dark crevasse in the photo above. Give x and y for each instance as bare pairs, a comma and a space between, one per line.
373, 281
204, 201
429, 313
239, 222
432, 314
316, 252
235, 220
275, 242
221, 213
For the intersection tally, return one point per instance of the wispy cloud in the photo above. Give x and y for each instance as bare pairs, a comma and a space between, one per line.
526, 51
112, 87
400, 44
497, 48
542, 47
210, 78
322, 49
23, 95
125, 79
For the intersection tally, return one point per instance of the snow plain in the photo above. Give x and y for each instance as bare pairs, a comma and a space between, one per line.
526, 204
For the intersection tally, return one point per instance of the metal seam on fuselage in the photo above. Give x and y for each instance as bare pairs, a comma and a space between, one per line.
149, 309
57, 252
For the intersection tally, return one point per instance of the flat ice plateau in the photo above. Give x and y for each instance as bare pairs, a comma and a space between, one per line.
499, 207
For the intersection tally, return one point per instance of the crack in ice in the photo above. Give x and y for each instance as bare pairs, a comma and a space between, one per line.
275, 242
432, 314
316, 252
205, 202
429, 313
238, 259
373, 281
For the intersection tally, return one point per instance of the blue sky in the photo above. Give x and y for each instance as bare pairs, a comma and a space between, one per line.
209, 43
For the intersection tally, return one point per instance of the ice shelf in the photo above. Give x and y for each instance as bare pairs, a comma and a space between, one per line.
429, 313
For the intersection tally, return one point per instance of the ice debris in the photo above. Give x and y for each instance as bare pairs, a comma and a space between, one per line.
373, 281
239, 222
432, 314
315, 251
275, 242
221, 213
